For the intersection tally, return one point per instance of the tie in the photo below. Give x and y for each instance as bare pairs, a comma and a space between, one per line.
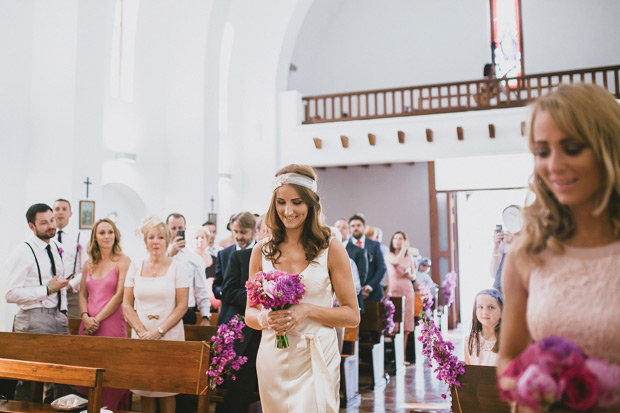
359, 243
59, 236
49, 254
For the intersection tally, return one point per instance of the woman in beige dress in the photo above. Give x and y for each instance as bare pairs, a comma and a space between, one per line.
155, 300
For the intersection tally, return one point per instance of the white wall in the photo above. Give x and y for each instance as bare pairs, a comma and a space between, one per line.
350, 45
392, 198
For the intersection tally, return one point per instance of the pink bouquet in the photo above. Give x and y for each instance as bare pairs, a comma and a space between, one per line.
555, 371
387, 314
224, 359
276, 290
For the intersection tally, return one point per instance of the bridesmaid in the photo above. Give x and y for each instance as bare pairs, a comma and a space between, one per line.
101, 294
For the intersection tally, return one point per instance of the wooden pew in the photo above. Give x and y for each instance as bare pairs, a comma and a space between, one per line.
372, 344
478, 392
395, 342
52, 373
155, 365
349, 369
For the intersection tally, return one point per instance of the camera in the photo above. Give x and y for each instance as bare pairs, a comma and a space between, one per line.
181, 233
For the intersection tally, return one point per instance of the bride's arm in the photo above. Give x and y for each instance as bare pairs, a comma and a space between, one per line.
347, 315
252, 313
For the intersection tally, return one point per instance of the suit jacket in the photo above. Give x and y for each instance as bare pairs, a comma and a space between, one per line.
221, 263
376, 268
234, 295
358, 255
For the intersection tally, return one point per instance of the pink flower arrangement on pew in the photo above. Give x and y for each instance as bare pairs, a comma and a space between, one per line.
448, 288
427, 299
224, 359
276, 290
388, 314
435, 348
555, 371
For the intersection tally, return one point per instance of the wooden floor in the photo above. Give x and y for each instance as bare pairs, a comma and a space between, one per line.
416, 390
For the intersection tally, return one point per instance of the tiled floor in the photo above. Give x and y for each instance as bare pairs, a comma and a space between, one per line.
416, 390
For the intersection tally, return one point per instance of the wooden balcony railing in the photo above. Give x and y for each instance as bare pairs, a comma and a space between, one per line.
450, 97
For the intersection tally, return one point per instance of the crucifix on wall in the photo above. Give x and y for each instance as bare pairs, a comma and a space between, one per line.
87, 182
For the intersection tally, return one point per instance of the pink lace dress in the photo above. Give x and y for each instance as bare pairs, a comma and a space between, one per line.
576, 295
400, 286
99, 293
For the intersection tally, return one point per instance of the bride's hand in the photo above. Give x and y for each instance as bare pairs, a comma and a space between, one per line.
284, 321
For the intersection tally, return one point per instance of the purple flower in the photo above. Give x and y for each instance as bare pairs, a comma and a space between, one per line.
448, 287
224, 359
388, 314
561, 346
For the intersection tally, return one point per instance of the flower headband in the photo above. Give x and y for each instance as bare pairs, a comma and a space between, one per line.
296, 179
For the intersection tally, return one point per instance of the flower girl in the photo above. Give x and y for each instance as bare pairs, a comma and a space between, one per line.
482, 343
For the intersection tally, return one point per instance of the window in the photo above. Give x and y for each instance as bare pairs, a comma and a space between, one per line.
506, 39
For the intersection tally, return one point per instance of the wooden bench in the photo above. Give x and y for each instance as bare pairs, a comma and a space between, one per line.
478, 392
349, 369
154, 365
372, 344
51, 373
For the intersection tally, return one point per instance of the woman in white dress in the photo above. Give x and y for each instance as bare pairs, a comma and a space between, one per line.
304, 377
159, 288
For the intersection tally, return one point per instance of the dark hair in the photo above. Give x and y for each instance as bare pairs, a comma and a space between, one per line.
63, 200
208, 223
244, 219
94, 253
176, 215
358, 216
392, 249
476, 326
314, 235
487, 69
32, 212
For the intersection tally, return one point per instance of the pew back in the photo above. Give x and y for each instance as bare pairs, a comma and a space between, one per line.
478, 392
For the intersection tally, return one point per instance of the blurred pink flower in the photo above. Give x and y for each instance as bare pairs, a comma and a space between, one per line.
536, 387
269, 287
608, 376
580, 388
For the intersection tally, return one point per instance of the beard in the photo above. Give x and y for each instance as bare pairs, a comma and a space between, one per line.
44, 235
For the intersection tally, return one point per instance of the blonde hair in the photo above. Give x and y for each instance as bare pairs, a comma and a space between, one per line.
314, 236
153, 222
93, 251
590, 114
369, 232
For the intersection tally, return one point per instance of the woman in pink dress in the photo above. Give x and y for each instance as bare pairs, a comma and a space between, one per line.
561, 278
401, 271
101, 294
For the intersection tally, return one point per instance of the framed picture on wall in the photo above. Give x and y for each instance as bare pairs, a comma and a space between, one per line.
213, 217
87, 214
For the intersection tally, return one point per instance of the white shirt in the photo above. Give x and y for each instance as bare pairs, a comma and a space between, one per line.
238, 248
24, 287
198, 291
213, 250
354, 241
70, 248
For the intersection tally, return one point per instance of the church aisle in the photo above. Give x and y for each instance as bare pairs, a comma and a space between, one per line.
416, 391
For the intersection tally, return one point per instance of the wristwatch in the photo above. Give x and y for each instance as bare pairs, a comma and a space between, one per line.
160, 331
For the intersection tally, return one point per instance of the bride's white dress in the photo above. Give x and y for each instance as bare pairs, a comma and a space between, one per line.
305, 377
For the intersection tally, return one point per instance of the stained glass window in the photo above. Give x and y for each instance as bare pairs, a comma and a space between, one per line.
506, 39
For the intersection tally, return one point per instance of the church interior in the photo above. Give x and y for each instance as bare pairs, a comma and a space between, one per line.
142, 108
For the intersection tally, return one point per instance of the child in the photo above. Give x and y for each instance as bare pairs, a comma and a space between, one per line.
482, 343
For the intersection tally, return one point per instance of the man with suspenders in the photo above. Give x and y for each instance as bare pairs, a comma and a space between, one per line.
73, 255
37, 286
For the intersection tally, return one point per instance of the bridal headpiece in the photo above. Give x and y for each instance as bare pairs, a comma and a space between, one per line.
294, 178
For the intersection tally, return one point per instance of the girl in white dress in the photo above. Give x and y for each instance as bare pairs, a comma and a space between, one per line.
305, 376
159, 288
482, 343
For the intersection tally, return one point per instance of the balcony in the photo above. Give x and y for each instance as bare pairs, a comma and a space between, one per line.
450, 97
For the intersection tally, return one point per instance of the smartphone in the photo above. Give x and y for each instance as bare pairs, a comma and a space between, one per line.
72, 276
498, 228
181, 233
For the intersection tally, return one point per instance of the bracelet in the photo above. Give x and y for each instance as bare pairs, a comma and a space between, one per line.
261, 319
85, 312
49, 290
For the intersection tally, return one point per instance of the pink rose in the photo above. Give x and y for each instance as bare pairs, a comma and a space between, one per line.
608, 376
580, 388
270, 287
536, 387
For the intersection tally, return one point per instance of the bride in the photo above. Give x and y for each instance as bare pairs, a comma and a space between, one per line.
305, 376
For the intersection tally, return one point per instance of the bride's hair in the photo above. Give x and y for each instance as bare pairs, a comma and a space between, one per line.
314, 235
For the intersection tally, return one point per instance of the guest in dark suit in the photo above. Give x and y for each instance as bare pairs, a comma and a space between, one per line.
234, 298
357, 254
372, 289
242, 227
